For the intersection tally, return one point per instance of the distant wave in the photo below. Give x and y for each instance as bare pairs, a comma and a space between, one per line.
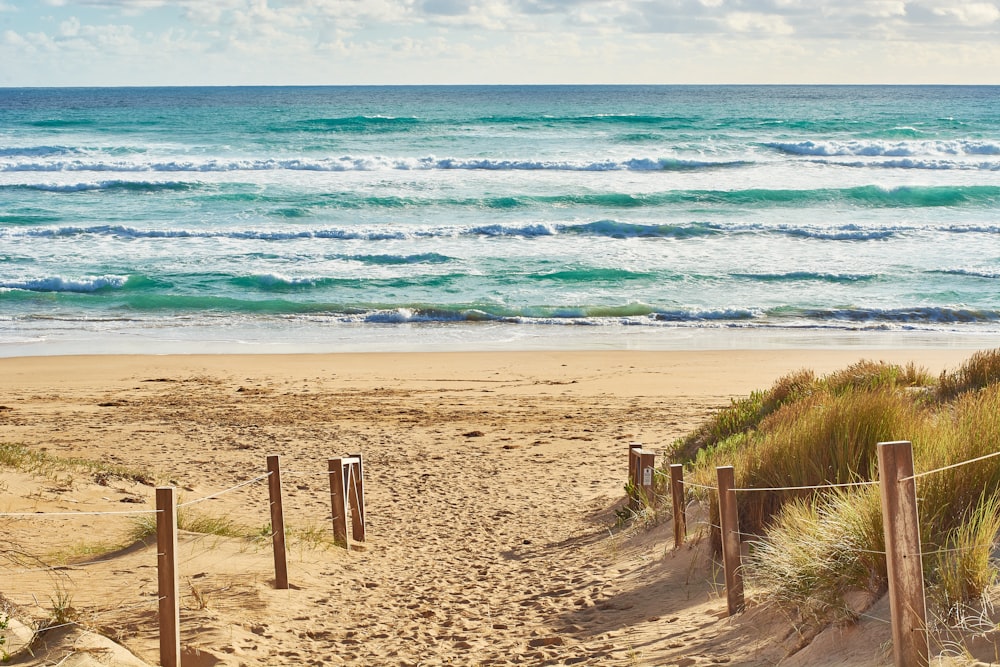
615, 229
841, 233
27, 218
365, 163
806, 276
38, 151
368, 124
350, 124
917, 315
304, 205
987, 275
271, 282
62, 122
61, 284
911, 163
110, 185
389, 260
882, 148
600, 228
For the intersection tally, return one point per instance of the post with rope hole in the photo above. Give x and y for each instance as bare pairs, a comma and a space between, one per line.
167, 578
338, 501
677, 498
729, 522
901, 525
277, 522
356, 494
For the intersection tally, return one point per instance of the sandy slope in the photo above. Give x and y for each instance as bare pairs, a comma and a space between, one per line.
492, 481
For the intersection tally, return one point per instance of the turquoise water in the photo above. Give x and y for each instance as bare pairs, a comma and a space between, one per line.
399, 217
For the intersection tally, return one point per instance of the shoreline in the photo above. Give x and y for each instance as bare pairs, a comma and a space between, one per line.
480, 337
721, 373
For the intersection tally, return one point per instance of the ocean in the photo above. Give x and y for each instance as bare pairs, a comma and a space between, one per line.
496, 217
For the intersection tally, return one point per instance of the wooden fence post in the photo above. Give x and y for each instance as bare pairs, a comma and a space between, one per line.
338, 501
356, 494
633, 477
729, 522
167, 579
900, 523
277, 522
677, 498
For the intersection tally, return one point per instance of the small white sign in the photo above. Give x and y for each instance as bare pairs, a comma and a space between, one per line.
647, 477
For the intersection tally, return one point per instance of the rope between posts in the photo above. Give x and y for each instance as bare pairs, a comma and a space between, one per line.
807, 488
874, 618
67, 566
954, 465
949, 550
229, 490
700, 486
85, 513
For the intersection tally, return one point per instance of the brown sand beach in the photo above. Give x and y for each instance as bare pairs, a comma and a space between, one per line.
492, 481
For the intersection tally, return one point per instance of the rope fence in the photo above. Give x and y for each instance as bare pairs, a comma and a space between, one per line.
46, 515
903, 552
346, 475
949, 467
225, 491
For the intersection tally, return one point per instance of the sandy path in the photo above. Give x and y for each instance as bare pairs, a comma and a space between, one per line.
491, 487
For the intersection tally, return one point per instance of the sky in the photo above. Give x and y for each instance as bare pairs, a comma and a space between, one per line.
305, 42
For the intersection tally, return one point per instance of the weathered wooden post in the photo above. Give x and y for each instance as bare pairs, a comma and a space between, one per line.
901, 526
633, 464
357, 498
677, 498
338, 501
729, 523
277, 522
167, 579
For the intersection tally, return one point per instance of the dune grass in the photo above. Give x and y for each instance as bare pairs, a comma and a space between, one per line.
21, 458
815, 546
144, 526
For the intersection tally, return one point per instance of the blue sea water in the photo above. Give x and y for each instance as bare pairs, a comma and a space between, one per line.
449, 217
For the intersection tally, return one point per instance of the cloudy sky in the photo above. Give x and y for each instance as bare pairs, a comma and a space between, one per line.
227, 42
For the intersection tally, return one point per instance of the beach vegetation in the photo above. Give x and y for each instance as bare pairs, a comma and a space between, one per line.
813, 548
980, 370
4, 625
62, 612
144, 526
21, 458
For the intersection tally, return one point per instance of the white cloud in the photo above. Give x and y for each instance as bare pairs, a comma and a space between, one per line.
70, 27
11, 38
972, 14
750, 22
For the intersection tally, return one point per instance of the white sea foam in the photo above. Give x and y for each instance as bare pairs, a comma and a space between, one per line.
360, 163
885, 148
63, 284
